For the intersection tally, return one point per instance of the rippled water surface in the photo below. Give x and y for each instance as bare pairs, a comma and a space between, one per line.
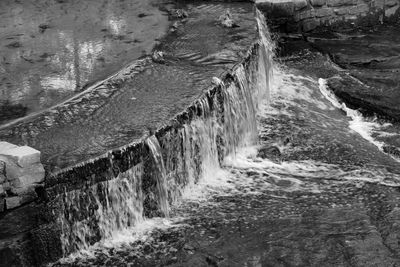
314, 191
50, 50
141, 98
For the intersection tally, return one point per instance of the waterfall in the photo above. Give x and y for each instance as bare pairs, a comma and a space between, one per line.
159, 173
268, 51
98, 211
215, 126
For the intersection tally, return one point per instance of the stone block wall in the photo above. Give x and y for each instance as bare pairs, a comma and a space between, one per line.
310, 15
20, 174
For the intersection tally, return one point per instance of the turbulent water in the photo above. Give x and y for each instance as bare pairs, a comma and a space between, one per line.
202, 146
291, 150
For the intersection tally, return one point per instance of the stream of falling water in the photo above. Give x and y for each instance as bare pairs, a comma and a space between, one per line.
100, 214
277, 137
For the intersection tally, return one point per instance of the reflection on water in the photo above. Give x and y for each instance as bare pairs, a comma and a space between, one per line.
50, 50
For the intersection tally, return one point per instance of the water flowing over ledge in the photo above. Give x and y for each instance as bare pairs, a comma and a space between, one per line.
94, 200
173, 159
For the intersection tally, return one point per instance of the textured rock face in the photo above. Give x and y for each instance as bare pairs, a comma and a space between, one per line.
372, 59
20, 173
309, 15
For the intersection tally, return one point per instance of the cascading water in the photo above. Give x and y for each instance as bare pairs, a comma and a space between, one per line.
159, 173
99, 211
182, 157
310, 177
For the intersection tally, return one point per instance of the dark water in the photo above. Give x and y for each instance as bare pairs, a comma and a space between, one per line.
51, 50
316, 189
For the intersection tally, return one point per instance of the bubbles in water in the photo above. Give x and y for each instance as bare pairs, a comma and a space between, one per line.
185, 161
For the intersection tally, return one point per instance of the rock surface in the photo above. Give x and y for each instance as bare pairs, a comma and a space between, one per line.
334, 210
371, 57
310, 15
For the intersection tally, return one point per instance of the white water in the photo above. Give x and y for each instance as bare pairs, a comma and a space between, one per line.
160, 174
186, 164
102, 210
358, 123
217, 154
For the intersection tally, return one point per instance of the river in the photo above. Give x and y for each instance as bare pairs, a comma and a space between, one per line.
303, 182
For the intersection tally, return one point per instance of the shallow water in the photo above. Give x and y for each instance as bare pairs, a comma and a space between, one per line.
114, 114
51, 50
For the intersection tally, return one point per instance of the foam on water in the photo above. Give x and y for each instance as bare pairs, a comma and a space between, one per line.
183, 164
294, 96
122, 239
358, 123
218, 154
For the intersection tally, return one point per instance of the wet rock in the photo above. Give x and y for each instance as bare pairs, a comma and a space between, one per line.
158, 57
227, 21
178, 14
142, 15
392, 151
269, 151
13, 252
368, 100
175, 26
15, 44
46, 243
216, 81
43, 27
